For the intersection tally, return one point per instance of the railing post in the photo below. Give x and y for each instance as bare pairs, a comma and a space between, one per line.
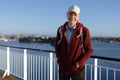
95, 69
25, 64
51, 66
7, 72
8, 61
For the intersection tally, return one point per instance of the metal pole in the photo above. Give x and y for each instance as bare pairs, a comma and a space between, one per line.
7, 72
25, 64
95, 69
8, 61
51, 66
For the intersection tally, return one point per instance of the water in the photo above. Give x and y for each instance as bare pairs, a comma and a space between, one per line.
28, 45
106, 49
99, 49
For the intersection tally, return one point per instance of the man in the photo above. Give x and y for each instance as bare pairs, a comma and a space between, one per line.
73, 47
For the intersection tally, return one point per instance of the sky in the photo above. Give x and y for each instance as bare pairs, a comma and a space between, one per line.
43, 17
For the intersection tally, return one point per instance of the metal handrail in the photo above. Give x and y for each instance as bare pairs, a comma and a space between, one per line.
93, 56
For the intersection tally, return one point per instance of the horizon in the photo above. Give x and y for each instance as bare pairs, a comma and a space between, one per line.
44, 35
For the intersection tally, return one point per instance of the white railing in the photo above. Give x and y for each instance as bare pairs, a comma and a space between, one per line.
23, 64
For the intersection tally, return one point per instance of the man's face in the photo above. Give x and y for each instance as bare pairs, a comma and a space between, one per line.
72, 18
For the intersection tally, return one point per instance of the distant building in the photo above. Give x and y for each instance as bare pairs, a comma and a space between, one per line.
3, 39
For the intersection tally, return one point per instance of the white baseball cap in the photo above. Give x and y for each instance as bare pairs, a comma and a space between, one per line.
75, 9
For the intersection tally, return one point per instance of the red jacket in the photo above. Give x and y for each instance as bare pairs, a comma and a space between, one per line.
68, 55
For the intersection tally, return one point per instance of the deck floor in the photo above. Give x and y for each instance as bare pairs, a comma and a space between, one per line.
6, 77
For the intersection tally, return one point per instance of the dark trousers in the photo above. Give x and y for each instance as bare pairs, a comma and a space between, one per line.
80, 75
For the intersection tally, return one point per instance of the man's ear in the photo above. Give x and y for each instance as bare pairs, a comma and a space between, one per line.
79, 16
66, 15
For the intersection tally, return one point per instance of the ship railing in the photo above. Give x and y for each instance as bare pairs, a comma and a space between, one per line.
38, 64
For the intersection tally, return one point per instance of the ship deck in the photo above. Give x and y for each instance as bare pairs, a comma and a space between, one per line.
6, 77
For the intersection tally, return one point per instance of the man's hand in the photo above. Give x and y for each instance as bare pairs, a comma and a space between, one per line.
77, 65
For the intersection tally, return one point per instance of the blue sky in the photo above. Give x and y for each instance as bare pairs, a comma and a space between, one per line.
43, 17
